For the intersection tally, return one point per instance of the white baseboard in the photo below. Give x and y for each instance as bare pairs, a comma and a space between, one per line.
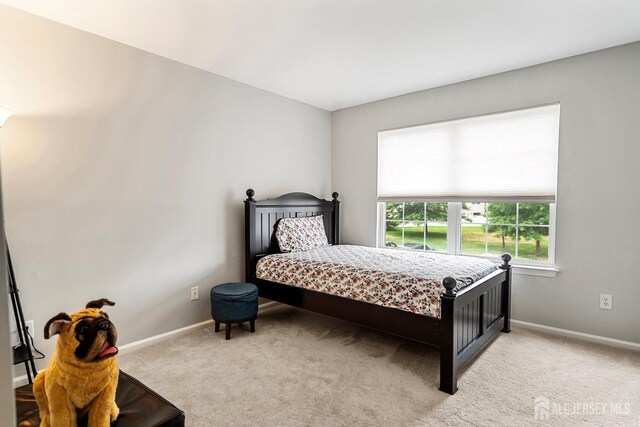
579, 335
268, 305
124, 349
141, 343
22, 380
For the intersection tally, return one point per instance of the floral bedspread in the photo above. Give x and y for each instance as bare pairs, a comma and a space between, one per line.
402, 279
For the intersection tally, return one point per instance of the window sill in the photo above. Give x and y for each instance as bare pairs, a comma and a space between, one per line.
534, 270
521, 269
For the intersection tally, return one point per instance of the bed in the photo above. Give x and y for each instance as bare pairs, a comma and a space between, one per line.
460, 312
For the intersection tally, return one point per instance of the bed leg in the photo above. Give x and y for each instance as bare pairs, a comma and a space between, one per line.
448, 371
506, 293
448, 330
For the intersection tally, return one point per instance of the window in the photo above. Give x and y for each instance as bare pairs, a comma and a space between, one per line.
416, 225
484, 229
477, 186
521, 229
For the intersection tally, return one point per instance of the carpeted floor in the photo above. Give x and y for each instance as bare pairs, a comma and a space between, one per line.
303, 369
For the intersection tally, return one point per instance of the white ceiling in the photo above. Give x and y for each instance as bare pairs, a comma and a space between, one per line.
338, 53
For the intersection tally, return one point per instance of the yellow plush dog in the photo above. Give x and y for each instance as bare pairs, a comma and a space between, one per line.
83, 374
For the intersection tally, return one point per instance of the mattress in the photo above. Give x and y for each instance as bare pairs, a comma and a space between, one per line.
401, 279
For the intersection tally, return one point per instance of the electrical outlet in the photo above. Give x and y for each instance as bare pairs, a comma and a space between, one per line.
195, 293
31, 327
14, 332
606, 301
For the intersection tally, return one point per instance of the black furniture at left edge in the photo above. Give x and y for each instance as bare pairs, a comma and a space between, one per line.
139, 406
22, 352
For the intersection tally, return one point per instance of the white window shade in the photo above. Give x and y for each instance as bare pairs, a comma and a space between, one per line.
511, 156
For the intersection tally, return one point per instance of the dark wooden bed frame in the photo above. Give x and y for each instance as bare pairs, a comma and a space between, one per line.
470, 318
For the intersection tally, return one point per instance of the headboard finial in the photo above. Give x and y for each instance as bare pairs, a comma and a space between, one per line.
250, 194
335, 196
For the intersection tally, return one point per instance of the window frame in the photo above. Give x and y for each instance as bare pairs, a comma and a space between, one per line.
454, 239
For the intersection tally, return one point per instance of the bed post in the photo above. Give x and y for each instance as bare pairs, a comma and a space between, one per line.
506, 292
448, 338
336, 219
249, 235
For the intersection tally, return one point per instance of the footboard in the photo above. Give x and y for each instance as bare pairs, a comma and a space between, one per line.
470, 319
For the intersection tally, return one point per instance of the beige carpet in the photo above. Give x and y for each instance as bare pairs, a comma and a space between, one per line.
302, 369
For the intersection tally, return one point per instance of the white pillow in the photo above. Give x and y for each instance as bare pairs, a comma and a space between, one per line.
301, 234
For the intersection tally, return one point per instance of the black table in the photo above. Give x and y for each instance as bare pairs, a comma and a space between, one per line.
139, 406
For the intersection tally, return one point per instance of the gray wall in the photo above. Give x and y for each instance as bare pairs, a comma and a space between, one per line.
124, 174
597, 247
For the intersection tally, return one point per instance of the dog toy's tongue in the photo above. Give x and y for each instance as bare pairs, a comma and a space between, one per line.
108, 349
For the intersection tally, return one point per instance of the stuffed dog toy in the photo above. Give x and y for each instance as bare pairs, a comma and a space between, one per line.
82, 377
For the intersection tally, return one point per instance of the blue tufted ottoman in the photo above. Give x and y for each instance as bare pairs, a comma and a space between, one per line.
234, 303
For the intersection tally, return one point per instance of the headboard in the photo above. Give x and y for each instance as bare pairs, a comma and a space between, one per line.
260, 218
